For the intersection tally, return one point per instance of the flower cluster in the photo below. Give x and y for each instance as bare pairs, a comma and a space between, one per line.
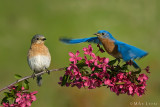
93, 71
18, 97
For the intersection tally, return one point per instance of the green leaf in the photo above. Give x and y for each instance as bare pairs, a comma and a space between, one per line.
10, 98
125, 67
112, 62
64, 80
17, 76
81, 63
26, 86
4, 100
13, 92
7, 94
26, 81
137, 72
127, 70
19, 86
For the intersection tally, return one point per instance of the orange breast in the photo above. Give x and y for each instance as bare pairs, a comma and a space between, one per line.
110, 47
38, 49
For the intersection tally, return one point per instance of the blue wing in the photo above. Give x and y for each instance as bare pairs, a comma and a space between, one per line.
75, 41
129, 52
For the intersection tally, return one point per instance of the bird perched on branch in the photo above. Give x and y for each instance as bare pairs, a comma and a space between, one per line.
39, 57
115, 48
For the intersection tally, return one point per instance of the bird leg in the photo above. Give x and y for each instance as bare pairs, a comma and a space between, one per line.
48, 71
33, 75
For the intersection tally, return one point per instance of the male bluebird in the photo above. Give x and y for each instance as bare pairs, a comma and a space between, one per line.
113, 47
38, 56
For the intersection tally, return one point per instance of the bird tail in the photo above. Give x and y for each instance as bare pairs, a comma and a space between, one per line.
39, 80
135, 64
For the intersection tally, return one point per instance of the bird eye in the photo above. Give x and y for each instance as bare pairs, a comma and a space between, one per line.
103, 33
37, 38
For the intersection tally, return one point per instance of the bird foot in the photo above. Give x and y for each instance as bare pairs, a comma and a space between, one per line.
33, 75
48, 71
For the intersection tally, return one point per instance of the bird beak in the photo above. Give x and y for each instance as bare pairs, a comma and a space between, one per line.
97, 34
43, 39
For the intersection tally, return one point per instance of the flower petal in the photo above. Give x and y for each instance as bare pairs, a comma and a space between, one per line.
71, 54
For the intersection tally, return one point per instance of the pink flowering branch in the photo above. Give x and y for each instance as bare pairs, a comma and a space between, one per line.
27, 77
93, 71
18, 94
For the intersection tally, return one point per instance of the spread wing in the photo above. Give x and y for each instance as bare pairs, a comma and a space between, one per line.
129, 52
75, 41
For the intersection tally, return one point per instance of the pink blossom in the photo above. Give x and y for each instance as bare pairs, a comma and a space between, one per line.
79, 84
74, 58
130, 89
33, 97
95, 59
97, 83
88, 51
120, 76
88, 62
147, 69
139, 90
104, 65
142, 77
108, 82
87, 81
25, 99
129, 62
100, 49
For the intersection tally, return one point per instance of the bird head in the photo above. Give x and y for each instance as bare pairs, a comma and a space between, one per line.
38, 39
104, 34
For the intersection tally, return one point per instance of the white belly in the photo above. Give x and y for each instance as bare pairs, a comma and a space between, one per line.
39, 63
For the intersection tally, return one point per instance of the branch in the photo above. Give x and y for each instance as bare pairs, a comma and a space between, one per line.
27, 77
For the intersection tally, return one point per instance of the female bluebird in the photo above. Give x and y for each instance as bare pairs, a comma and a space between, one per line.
113, 47
39, 57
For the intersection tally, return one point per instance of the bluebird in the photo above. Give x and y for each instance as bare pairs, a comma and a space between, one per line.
39, 57
113, 47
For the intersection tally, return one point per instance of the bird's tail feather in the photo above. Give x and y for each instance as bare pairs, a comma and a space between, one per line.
39, 80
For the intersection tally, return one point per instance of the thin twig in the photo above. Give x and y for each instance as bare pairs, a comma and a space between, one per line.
27, 77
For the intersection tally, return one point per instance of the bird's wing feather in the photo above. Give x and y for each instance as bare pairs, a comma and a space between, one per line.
129, 52
75, 41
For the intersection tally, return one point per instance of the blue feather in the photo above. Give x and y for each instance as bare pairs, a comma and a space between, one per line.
129, 52
135, 64
75, 41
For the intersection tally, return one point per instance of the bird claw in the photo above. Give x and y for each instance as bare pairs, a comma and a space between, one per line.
33, 75
48, 71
